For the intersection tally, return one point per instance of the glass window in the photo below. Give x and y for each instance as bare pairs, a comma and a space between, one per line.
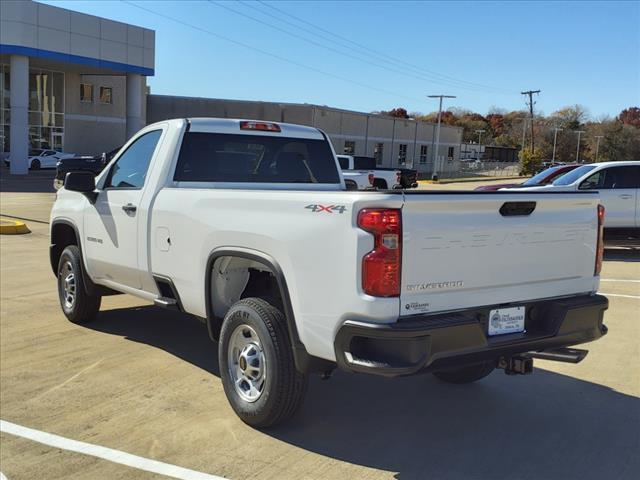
424, 150
613, 178
105, 95
349, 147
213, 157
574, 175
402, 154
344, 162
364, 163
450, 152
130, 169
378, 152
86, 92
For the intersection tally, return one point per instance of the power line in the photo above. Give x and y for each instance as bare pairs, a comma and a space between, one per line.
348, 55
386, 57
530, 104
270, 54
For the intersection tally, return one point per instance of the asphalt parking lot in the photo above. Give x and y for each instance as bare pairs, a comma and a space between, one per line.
145, 381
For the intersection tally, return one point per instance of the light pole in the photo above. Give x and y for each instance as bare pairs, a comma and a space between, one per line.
598, 137
579, 132
555, 138
437, 149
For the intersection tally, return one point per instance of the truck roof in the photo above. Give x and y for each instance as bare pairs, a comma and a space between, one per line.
232, 126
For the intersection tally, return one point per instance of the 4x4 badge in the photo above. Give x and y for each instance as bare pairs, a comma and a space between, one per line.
327, 208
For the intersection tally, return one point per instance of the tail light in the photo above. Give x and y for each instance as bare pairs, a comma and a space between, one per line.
381, 266
600, 244
371, 179
261, 126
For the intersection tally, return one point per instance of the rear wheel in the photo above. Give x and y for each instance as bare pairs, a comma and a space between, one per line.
35, 165
76, 303
379, 183
468, 374
256, 364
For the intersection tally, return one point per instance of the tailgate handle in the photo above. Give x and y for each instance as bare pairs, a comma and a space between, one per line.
517, 209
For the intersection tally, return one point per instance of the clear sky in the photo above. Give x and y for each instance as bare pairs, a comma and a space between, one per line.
485, 53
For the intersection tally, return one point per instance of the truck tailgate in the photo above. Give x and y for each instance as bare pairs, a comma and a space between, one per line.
460, 251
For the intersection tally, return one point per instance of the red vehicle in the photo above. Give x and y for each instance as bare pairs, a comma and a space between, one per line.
543, 178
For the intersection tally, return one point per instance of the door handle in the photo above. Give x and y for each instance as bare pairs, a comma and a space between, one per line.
625, 196
129, 208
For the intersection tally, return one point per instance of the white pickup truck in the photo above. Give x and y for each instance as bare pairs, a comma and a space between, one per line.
248, 226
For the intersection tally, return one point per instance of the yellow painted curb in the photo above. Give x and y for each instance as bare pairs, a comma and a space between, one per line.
12, 227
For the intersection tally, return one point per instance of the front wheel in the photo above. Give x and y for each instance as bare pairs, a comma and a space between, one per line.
76, 303
468, 374
257, 369
35, 165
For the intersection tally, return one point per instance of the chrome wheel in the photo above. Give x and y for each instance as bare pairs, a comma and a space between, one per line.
246, 363
68, 279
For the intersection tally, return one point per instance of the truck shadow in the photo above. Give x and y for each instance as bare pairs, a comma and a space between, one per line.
622, 254
544, 425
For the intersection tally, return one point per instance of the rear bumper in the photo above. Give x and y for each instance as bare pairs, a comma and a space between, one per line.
438, 341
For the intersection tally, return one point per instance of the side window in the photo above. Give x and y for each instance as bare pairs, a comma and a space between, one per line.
593, 182
130, 169
613, 178
622, 177
344, 163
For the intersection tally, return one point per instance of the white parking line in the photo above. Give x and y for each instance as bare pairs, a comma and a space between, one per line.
2, 476
619, 295
115, 456
618, 280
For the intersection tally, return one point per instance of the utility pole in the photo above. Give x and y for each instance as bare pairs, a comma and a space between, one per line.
480, 132
579, 132
437, 149
555, 137
524, 132
531, 103
598, 137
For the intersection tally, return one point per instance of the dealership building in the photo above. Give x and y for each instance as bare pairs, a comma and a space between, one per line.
77, 83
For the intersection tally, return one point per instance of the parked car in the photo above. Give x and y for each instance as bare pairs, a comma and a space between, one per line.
543, 178
42, 158
384, 177
617, 184
248, 226
87, 163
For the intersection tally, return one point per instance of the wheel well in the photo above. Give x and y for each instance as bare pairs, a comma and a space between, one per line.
62, 235
380, 183
234, 278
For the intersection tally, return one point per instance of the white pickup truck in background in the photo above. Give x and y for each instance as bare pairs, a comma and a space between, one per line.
384, 178
248, 226
618, 186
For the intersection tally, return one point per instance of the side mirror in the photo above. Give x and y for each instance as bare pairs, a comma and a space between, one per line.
82, 182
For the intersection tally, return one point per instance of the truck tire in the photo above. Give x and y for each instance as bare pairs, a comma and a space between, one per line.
77, 304
466, 374
257, 369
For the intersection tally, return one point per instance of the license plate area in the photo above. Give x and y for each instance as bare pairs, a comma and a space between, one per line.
503, 321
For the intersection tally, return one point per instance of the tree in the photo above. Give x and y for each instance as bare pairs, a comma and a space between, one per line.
397, 112
630, 116
529, 162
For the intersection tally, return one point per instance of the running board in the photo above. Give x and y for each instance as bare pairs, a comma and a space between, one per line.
166, 302
566, 355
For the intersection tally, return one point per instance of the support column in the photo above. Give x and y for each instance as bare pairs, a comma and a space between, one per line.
134, 103
19, 102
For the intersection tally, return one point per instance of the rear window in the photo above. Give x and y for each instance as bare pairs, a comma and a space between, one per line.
364, 163
216, 157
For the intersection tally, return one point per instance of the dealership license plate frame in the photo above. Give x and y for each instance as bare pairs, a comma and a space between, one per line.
503, 321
